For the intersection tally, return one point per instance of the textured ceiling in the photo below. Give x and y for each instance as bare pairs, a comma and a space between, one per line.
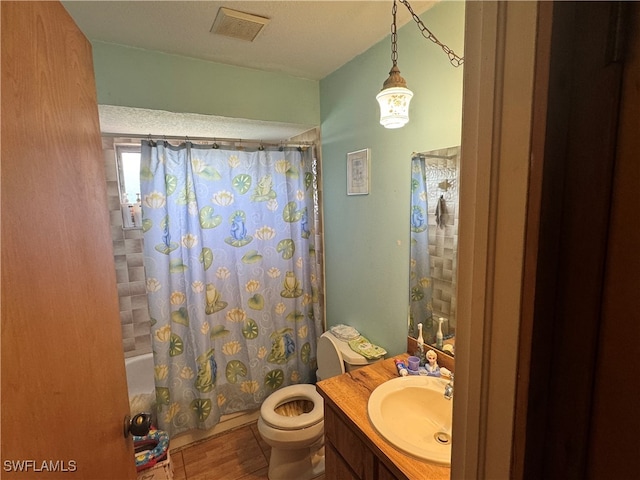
139, 121
307, 39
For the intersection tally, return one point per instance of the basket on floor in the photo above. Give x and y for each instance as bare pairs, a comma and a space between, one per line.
160, 471
152, 456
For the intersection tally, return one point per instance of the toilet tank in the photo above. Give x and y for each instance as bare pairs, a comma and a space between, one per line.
351, 360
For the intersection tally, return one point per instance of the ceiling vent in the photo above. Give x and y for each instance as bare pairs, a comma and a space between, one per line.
232, 23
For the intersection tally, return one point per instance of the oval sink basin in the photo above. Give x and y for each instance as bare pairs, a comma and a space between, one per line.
412, 414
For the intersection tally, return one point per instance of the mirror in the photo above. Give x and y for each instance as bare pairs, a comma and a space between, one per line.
434, 246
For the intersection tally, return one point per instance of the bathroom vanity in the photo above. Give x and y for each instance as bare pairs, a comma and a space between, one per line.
353, 448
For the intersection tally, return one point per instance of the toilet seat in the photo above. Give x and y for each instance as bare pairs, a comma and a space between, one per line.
289, 394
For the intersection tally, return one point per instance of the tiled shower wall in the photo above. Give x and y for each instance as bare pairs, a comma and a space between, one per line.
128, 258
442, 167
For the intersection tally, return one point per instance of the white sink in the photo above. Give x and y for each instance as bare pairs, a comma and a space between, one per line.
412, 414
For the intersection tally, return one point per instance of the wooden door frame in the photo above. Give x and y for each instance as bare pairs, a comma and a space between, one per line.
501, 42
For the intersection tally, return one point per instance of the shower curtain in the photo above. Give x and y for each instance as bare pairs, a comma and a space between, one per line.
231, 274
420, 283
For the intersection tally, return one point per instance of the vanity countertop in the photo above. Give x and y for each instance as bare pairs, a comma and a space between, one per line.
350, 392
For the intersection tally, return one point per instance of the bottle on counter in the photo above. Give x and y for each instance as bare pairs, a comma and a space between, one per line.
420, 351
439, 336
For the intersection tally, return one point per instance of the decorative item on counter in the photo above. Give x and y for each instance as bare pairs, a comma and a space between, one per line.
402, 368
432, 368
420, 351
420, 339
439, 336
414, 364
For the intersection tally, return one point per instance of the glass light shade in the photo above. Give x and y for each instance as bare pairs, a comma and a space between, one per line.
394, 106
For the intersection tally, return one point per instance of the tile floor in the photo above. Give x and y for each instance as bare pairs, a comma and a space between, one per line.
239, 454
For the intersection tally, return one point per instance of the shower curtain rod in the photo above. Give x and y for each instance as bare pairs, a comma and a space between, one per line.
211, 140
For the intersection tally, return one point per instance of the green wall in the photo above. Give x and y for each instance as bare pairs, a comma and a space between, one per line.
366, 237
133, 77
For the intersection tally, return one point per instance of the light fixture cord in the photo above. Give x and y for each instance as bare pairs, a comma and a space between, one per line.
455, 60
394, 35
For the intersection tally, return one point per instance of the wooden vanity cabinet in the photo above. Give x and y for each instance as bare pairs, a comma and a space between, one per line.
335, 465
346, 455
353, 448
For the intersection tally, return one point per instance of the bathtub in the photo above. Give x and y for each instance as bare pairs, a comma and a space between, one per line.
142, 398
140, 374
140, 383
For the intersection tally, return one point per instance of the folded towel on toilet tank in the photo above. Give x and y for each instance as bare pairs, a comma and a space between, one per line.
367, 349
344, 332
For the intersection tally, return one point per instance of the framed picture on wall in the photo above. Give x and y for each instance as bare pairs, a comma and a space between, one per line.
358, 168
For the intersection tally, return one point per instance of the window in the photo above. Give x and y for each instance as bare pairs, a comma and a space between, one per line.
128, 169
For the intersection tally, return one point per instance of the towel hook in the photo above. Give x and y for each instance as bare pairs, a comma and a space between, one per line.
445, 185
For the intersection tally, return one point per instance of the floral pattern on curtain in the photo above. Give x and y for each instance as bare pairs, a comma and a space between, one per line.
420, 283
231, 274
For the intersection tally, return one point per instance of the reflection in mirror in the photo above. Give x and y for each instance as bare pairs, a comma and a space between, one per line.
434, 245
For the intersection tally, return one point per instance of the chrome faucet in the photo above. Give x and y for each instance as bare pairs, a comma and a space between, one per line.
448, 389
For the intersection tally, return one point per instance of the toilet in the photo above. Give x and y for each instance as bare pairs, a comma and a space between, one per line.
292, 419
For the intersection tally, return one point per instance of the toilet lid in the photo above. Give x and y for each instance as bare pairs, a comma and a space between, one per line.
330, 362
289, 394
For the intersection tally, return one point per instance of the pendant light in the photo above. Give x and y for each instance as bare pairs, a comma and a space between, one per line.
395, 97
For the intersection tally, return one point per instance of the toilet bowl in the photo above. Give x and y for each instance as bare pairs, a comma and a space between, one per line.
292, 419
292, 423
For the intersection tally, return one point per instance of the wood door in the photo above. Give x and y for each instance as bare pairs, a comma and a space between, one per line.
63, 380
576, 415
615, 420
